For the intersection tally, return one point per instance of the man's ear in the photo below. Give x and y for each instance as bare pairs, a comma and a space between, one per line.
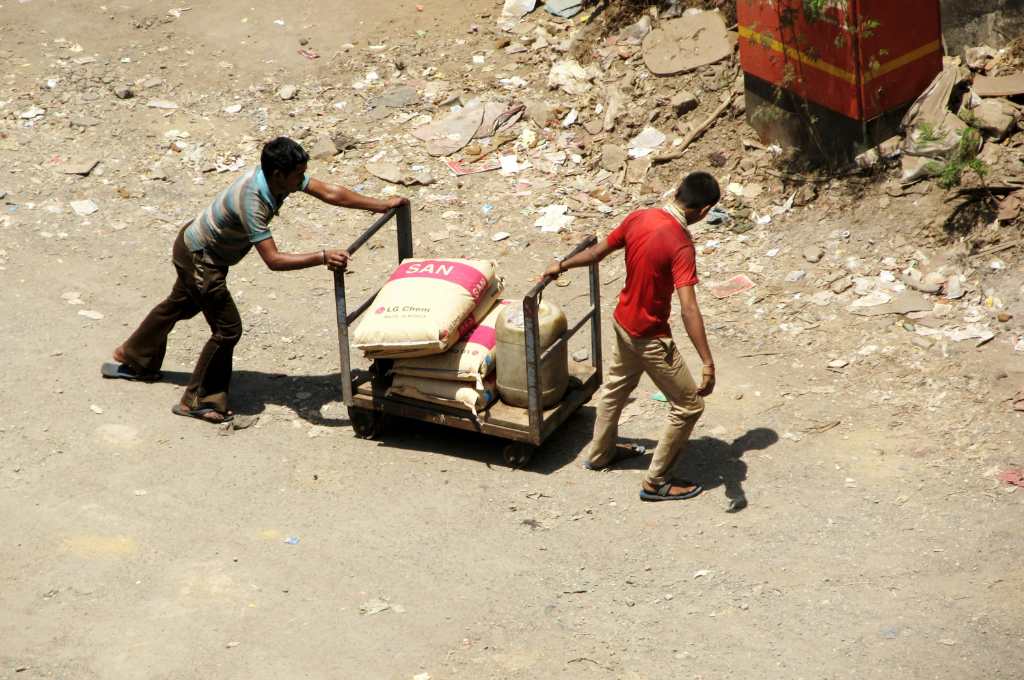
704, 212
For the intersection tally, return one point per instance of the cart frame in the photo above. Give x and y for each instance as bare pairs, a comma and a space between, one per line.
364, 392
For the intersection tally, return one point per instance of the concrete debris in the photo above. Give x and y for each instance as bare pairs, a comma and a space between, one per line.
995, 117
84, 208
392, 172
1006, 86
683, 102
613, 157
687, 43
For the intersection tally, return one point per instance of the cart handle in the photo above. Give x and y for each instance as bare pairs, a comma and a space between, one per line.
374, 228
536, 291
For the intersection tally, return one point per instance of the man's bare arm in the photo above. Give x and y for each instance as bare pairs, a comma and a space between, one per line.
278, 261
594, 253
693, 321
335, 194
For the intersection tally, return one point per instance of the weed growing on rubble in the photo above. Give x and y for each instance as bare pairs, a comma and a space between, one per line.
964, 158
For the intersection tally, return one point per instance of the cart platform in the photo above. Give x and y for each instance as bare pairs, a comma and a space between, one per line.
365, 392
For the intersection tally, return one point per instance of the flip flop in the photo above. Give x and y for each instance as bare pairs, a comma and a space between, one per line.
662, 494
198, 414
623, 453
123, 371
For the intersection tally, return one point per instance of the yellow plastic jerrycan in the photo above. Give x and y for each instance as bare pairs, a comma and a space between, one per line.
510, 355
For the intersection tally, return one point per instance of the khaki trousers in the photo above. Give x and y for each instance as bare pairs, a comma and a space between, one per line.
660, 359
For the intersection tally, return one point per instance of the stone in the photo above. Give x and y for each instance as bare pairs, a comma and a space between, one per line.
580, 355
796, 276
323, 149
342, 141
842, 285
124, 92
287, 92
813, 254
684, 101
613, 157
996, 117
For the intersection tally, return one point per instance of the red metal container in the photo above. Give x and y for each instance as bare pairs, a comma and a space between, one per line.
858, 58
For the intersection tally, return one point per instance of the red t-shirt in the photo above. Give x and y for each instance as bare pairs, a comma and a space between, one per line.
659, 258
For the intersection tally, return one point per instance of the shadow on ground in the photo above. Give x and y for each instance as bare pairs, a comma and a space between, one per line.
713, 463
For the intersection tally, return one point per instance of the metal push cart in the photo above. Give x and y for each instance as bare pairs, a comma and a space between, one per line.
365, 391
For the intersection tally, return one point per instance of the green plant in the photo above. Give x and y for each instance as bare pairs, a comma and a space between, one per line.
964, 158
926, 133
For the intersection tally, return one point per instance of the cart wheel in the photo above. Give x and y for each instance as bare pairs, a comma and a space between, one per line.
518, 455
366, 424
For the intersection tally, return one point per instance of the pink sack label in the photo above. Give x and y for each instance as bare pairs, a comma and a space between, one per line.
470, 278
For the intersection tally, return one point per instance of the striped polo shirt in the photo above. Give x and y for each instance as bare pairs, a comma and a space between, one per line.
239, 217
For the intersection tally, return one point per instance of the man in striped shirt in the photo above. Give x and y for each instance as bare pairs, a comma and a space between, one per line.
218, 238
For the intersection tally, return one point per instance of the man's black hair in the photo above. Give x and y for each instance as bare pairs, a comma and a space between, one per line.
698, 191
282, 154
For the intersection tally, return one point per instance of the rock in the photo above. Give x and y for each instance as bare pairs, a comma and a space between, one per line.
996, 117
398, 97
579, 356
796, 276
931, 282
124, 92
343, 142
538, 112
613, 157
683, 102
287, 92
323, 149
813, 254
842, 285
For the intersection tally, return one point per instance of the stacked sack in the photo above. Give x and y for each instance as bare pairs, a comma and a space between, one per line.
436, 318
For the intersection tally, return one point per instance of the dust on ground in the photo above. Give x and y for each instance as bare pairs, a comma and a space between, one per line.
878, 541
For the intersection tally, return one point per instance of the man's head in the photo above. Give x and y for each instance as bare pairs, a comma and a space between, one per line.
284, 165
697, 194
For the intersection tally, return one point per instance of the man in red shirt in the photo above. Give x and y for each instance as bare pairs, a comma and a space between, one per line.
660, 259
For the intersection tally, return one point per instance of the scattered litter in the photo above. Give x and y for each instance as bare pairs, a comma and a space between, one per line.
566, 9
658, 396
718, 216
34, 112
84, 208
570, 77
90, 314
1012, 476
96, 409
554, 219
374, 606
646, 142
460, 168
733, 286
292, 540
517, 9
162, 104
308, 54
838, 363
702, 573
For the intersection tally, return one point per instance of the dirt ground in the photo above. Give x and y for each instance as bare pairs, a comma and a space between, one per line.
877, 541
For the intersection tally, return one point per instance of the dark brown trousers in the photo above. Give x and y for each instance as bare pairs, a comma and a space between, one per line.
200, 287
